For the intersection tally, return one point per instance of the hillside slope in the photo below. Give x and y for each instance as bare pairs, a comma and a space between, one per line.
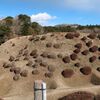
66, 61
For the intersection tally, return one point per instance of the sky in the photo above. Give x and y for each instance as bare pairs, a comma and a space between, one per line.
52, 12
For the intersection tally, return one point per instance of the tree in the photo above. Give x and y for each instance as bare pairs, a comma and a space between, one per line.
38, 29
24, 18
4, 33
8, 21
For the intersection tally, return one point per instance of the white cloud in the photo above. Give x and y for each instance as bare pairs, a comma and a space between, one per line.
83, 4
42, 18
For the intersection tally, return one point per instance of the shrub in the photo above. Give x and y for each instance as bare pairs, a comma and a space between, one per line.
69, 36
36, 38
66, 59
49, 74
49, 45
24, 73
44, 54
92, 36
85, 52
12, 69
80, 95
26, 46
73, 56
25, 53
98, 36
89, 43
97, 97
86, 70
57, 46
35, 72
98, 69
51, 68
92, 59
53, 85
76, 35
35, 65
51, 56
44, 64
34, 52
11, 58
99, 57
17, 70
13, 44
76, 51
77, 64
60, 55
30, 63
67, 73
99, 49
38, 60
84, 39
93, 49
78, 45
16, 77
26, 58
43, 37
31, 38
7, 65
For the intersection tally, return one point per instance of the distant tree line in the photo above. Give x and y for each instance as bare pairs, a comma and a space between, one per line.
21, 26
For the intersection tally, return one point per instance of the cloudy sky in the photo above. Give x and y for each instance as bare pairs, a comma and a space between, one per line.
52, 12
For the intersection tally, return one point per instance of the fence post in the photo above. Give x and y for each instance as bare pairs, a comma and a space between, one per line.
39, 90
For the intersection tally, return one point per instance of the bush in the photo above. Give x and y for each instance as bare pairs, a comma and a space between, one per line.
77, 64
48, 74
60, 55
35, 72
30, 63
7, 65
92, 36
76, 51
66, 59
76, 35
99, 57
16, 70
98, 69
35, 65
78, 45
73, 56
25, 53
38, 60
57, 46
86, 70
92, 59
97, 97
80, 95
84, 39
99, 49
44, 64
85, 52
44, 54
24, 73
12, 69
51, 68
49, 45
11, 58
89, 43
43, 37
69, 36
93, 49
16, 77
51, 56
67, 73
33, 53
